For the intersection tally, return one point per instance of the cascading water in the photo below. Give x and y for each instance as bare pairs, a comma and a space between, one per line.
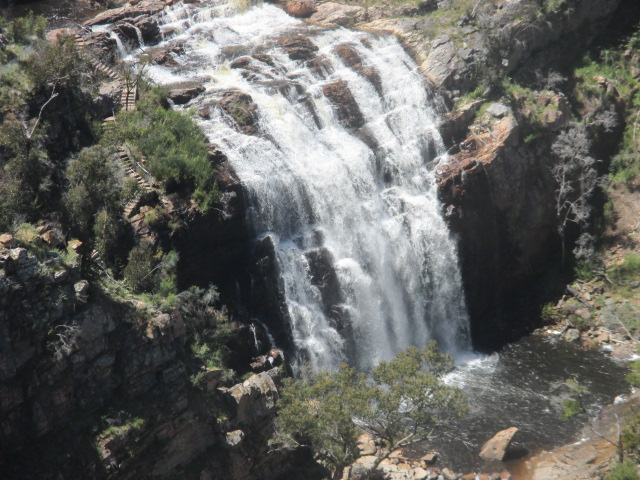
367, 217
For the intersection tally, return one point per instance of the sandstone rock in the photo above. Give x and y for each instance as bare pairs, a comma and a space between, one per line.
448, 474
347, 110
419, 473
495, 448
54, 238
335, 13
300, 8
366, 445
583, 313
7, 241
253, 400
454, 125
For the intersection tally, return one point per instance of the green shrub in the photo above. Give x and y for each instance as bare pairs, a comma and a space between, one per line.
140, 269
584, 270
56, 65
628, 271
26, 178
174, 146
630, 439
626, 470
93, 184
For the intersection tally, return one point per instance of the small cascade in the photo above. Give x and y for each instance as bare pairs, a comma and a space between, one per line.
337, 165
256, 342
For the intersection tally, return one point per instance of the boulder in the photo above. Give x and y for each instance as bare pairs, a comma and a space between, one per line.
300, 8
234, 439
7, 241
495, 448
572, 335
254, 400
180, 96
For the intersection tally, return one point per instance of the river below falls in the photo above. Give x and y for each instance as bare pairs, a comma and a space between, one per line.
523, 386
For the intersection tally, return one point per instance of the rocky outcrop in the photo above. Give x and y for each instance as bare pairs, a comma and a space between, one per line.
496, 447
498, 197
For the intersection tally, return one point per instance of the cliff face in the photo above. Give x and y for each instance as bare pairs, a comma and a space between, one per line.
93, 387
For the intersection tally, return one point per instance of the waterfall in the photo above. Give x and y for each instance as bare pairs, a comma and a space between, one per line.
366, 260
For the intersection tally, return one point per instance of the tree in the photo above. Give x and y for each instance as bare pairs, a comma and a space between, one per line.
576, 178
94, 184
399, 404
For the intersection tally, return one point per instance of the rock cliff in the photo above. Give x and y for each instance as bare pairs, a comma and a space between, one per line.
95, 386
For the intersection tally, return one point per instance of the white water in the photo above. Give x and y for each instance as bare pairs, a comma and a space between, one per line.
319, 187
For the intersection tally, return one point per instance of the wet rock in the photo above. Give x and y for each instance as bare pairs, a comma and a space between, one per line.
241, 109
324, 276
180, 96
347, 110
242, 62
298, 47
149, 29
300, 8
495, 448
264, 58
352, 59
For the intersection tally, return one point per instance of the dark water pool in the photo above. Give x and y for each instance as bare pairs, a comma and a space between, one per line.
522, 386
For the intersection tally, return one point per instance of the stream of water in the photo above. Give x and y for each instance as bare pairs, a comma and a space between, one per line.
316, 189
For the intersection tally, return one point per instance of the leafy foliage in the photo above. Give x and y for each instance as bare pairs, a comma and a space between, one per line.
173, 144
399, 404
139, 272
626, 470
26, 177
93, 184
